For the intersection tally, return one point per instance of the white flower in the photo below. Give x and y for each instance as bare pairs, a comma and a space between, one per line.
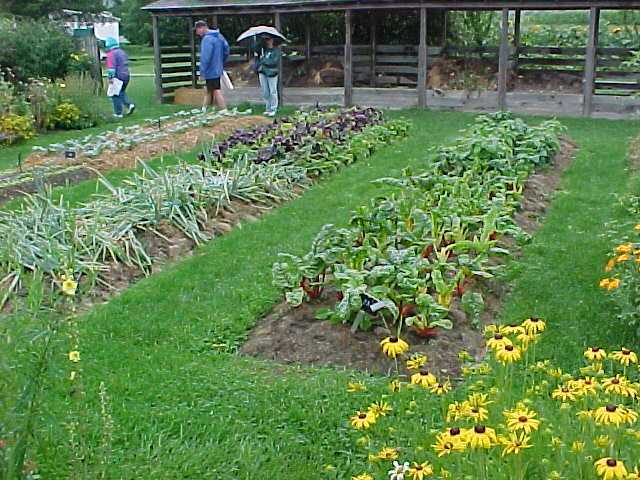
398, 471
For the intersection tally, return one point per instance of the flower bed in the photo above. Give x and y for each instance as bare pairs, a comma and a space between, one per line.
409, 254
84, 242
515, 417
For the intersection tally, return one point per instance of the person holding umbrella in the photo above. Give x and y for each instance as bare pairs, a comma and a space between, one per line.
268, 68
214, 51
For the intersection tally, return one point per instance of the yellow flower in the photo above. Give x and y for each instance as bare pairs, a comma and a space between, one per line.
73, 375
609, 415
393, 346
595, 354
356, 387
362, 476
416, 361
387, 453
380, 409
577, 446
630, 416
479, 400
480, 437
508, 354
447, 442
419, 470
457, 411
625, 356
556, 442
512, 329
584, 386
74, 356
610, 283
534, 325
514, 443
563, 393
363, 420
395, 386
610, 264
593, 369
498, 341
424, 378
624, 248
619, 385
69, 285
441, 388
526, 338
602, 441
585, 415
478, 414
635, 475
611, 469
464, 356
521, 418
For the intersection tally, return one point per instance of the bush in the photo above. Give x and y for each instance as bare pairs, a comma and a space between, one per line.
35, 48
44, 96
11, 99
81, 90
66, 115
16, 127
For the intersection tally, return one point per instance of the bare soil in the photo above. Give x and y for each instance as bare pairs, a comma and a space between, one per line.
293, 335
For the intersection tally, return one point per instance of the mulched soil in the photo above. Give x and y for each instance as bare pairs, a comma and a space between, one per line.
293, 335
126, 159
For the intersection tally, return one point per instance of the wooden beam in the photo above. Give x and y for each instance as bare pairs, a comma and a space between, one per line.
348, 60
277, 22
422, 60
157, 59
590, 62
307, 38
373, 46
444, 29
503, 60
516, 39
192, 46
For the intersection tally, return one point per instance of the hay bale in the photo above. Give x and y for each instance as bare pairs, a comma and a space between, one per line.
189, 96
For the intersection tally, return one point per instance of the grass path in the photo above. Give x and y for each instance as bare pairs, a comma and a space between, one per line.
181, 410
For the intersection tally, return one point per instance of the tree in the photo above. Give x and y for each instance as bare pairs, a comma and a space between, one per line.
42, 8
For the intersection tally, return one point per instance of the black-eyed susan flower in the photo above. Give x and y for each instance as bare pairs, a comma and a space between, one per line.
478, 414
521, 418
630, 416
69, 285
479, 400
585, 415
362, 476
564, 394
419, 471
619, 385
416, 361
457, 411
498, 341
594, 354
527, 338
447, 444
623, 258
625, 356
512, 329
577, 446
584, 386
602, 441
380, 408
534, 325
635, 474
440, 388
398, 471
353, 387
363, 420
611, 469
424, 378
508, 354
393, 346
480, 436
514, 443
387, 453
609, 415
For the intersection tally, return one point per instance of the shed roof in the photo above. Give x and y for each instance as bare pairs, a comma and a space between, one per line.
182, 7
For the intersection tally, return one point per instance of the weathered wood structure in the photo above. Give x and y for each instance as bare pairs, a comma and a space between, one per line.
177, 66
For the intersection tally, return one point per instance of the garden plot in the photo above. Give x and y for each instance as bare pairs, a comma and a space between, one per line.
77, 160
419, 261
125, 232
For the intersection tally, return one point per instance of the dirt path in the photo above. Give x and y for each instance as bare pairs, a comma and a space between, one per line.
293, 335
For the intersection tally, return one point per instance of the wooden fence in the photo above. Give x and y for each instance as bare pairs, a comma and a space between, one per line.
398, 64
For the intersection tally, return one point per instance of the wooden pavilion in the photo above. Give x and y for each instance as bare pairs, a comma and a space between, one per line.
590, 57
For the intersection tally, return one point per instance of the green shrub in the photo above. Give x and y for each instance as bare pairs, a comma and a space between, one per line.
35, 48
44, 96
66, 115
81, 90
11, 99
16, 127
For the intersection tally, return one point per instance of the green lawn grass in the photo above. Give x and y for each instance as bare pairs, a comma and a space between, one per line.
183, 409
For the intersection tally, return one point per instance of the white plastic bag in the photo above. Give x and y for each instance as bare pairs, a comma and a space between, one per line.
226, 81
114, 88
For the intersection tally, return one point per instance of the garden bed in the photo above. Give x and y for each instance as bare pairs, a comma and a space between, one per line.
295, 335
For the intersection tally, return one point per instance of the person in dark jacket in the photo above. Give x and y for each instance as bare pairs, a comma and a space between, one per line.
118, 67
268, 68
214, 51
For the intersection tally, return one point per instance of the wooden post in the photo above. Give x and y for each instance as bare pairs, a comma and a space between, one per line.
444, 30
422, 60
348, 60
307, 39
503, 61
192, 45
157, 59
516, 39
277, 22
373, 46
590, 62
212, 21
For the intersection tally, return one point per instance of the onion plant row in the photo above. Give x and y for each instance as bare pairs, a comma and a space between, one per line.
411, 255
84, 242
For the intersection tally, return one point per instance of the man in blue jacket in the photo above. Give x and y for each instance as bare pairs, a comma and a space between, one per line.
214, 50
